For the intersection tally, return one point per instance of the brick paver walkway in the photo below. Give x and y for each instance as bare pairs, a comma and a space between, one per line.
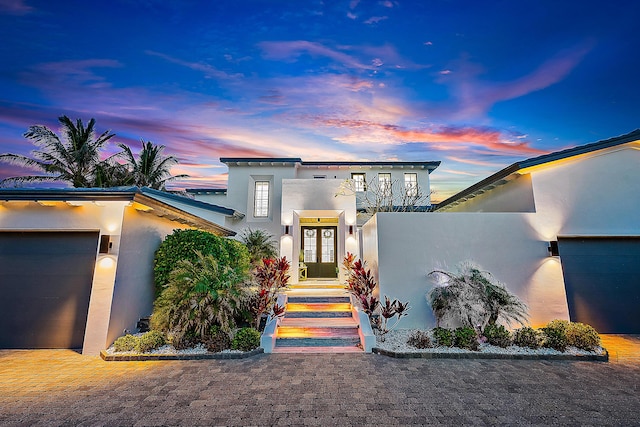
57, 387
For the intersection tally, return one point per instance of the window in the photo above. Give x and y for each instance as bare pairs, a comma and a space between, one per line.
261, 199
327, 254
411, 184
384, 182
359, 183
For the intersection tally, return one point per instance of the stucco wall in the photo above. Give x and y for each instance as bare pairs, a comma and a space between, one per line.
514, 196
133, 292
410, 245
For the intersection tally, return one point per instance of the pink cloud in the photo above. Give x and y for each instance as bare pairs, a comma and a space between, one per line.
15, 7
286, 50
66, 72
375, 19
386, 3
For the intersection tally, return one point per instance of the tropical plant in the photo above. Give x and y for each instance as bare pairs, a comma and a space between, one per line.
555, 335
390, 309
73, 157
473, 298
183, 244
198, 296
260, 245
465, 337
360, 283
151, 168
149, 341
125, 343
272, 278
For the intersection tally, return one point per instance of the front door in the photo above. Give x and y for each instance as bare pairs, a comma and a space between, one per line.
319, 251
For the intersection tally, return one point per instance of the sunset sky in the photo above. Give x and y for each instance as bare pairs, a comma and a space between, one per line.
474, 84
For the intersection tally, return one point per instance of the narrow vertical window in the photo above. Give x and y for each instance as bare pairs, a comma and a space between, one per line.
411, 184
384, 182
359, 183
261, 199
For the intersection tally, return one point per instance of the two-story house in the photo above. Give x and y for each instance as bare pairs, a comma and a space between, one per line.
314, 208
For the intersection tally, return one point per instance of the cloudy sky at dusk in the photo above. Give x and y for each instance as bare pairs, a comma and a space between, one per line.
475, 84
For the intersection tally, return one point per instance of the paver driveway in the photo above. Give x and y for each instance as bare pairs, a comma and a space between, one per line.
58, 387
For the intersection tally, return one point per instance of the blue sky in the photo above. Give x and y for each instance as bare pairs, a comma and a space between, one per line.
475, 84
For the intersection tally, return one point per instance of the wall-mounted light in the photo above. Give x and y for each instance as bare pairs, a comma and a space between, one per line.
351, 230
553, 248
105, 244
287, 230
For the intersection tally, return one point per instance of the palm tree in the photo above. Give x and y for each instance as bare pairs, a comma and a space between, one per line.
73, 157
260, 245
151, 168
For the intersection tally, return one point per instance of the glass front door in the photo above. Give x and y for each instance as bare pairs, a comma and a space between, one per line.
319, 251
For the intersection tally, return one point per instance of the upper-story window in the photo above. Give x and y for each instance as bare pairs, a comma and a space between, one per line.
359, 181
384, 182
411, 184
261, 199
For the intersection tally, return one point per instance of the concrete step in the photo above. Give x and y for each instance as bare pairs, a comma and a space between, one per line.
317, 332
318, 322
323, 341
315, 350
318, 299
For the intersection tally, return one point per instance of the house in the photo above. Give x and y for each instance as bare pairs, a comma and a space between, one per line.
561, 230
76, 265
315, 208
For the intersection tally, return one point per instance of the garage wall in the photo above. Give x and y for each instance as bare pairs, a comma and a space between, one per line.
410, 245
133, 292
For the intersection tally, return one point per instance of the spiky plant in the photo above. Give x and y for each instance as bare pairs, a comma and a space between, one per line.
260, 245
472, 297
198, 296
72, 157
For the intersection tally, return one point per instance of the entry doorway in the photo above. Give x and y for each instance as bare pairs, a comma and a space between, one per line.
319, 249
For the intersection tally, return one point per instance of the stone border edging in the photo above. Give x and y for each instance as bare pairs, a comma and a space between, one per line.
427, 355
206, 356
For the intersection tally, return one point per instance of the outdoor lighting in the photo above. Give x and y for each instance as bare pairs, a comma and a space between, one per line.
105, 244
351, 230
287, 230
553, 248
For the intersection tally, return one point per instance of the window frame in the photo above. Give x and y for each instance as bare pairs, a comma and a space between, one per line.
260, 203
359, 186
384, 185
411, 186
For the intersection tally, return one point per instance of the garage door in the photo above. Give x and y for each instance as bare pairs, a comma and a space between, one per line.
45, 285
602, 280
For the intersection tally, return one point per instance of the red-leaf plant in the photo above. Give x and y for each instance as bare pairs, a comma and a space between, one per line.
360, 283
390, 309
271, 278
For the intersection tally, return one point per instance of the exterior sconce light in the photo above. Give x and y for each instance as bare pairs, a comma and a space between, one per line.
105, 244
287, 230
351, 230
553, 248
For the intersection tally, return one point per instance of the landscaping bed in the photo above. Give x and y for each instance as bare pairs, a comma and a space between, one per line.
395, 345
167, 352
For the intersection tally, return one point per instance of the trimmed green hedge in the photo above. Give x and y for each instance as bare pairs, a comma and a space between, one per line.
183, 244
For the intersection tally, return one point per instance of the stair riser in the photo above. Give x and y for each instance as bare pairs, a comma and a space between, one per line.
318, 300
347, 332
317, 342
317, 314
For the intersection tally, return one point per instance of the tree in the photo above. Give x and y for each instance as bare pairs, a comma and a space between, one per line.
73, 158
151, 168
260, 245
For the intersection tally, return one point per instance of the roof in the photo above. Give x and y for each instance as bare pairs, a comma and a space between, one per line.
144, 196
292, 161
503, 175
206, 190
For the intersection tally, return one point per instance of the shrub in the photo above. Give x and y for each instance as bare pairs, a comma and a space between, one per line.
419, 339
555, 335
360, 283
198, 296
217, 340
125, 343
527, 337
246, 339
272, 278
149, 341
183, 245
466, 338
443, 337
582, 336
473, 297
497, 335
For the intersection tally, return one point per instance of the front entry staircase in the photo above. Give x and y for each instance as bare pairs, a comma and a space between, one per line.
318, 319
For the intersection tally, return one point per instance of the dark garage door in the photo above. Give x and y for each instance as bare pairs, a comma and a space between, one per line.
602, 279
45, 285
